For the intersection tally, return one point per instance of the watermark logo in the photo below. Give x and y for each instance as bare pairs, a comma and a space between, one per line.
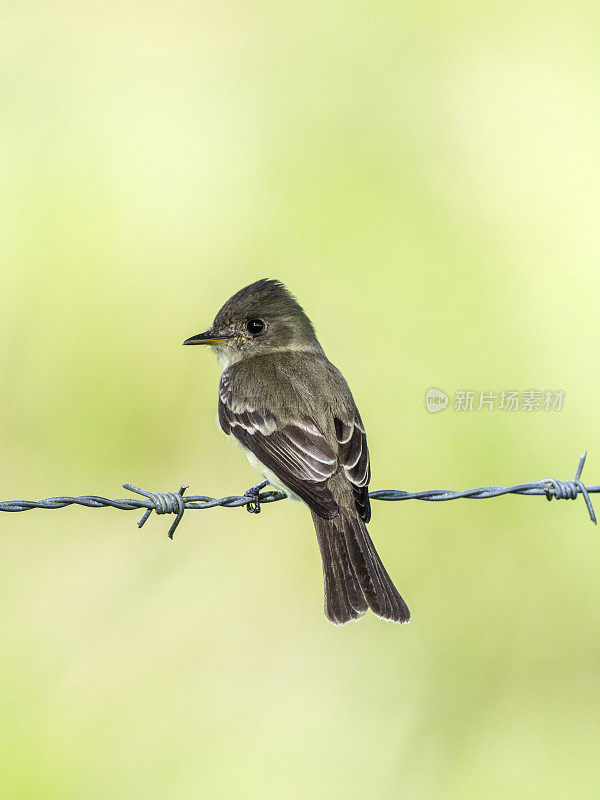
436, 400
530, 400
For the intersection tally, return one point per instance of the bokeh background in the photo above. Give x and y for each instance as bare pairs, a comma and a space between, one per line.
424, 176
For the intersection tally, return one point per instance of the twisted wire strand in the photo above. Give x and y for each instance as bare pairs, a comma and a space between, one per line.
254, 498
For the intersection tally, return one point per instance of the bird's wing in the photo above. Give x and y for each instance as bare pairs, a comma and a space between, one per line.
353, 456
295, 450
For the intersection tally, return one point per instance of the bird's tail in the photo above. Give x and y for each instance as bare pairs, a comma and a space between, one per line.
355, 579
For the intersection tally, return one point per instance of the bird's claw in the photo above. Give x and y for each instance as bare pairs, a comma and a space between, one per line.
253, 506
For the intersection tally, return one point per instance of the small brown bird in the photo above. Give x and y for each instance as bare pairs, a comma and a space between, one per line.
293, 413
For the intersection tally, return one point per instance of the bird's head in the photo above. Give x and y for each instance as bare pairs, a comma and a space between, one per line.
261, 318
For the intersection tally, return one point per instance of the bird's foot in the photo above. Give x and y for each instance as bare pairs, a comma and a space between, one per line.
253, 506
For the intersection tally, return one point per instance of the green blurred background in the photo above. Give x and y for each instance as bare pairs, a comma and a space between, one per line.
424, 177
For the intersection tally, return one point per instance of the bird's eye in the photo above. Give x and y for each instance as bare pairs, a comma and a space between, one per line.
255, 326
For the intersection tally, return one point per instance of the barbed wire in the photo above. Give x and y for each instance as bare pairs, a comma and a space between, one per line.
254, 498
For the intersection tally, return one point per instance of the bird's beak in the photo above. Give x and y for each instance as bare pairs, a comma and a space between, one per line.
208, 337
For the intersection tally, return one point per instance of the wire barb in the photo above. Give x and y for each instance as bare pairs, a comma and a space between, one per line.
163, 503
568, 490
254, 498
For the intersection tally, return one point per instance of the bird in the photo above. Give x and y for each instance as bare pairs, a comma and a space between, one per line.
294, 415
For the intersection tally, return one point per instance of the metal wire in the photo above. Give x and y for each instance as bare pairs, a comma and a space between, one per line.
254, 498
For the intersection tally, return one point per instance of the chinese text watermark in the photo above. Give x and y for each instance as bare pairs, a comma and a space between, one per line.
530, 400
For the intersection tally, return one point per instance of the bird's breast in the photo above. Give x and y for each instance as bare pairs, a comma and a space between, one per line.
256, 464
